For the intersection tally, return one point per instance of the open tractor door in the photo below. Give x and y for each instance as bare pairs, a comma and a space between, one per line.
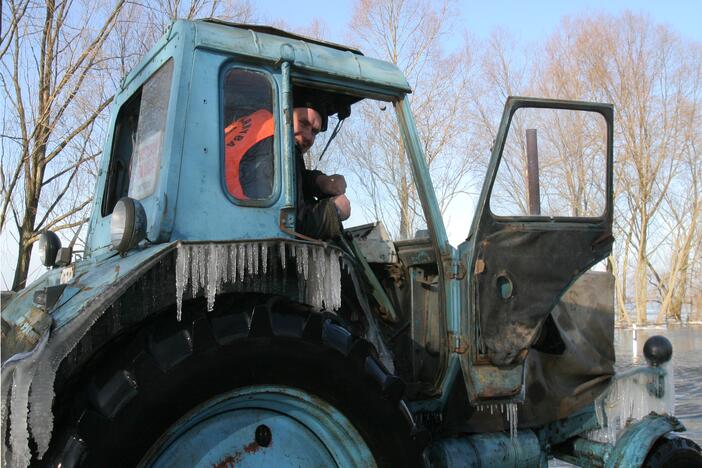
544, 217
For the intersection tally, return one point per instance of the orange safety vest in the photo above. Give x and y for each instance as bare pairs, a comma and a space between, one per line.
239, 137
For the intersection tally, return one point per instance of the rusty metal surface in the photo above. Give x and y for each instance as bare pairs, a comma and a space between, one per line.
559, 384
482, 450
541, 265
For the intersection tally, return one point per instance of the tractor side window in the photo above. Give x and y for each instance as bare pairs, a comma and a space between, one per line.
553, 164
249, 134
138, 141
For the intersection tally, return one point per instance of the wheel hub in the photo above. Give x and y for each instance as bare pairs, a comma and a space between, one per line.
261, 426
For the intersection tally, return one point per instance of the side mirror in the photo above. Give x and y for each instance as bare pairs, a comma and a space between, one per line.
48, 245
128, 225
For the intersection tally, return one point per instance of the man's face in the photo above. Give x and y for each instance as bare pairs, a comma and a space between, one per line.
306, 125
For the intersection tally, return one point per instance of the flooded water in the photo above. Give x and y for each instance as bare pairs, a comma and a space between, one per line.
687, 361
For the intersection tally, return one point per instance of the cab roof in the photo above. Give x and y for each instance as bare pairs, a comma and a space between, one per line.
279, 32
308, 57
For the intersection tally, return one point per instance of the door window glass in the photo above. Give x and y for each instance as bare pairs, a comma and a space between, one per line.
553, 164
138, 141
249, 134
144, 167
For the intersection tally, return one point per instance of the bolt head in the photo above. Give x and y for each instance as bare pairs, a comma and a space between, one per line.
263, 435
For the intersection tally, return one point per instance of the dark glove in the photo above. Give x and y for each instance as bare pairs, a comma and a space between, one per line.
331, 185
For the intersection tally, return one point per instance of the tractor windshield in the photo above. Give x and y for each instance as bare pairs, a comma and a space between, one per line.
369, 152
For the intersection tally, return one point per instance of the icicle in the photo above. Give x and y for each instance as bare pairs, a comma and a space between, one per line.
320, 274
512, 419
305, 262
212, 276
194, 270
629, 399
224, 265
249, 258
22, 379
336, 280
256, 254
182, 276
282, 255
210, 267
232, 263
328, 279
264, 258
297, 253
19, 431
241, 259
202, 267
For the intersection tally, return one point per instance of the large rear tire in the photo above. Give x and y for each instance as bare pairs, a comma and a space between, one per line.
257, 385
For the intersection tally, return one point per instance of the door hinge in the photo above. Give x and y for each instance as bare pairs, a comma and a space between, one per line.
458, 344
457, 270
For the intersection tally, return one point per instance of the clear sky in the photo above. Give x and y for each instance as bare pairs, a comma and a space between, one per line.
528, 20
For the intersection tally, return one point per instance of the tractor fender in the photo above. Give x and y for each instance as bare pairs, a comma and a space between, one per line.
103, 298
633, 445
93, 287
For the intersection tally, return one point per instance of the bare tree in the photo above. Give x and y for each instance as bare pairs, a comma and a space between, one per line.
408, 33
682, 217
143, 23
49, 55
652, 77
61, 63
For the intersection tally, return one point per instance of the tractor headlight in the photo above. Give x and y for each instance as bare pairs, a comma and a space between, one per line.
48, 245
128, 226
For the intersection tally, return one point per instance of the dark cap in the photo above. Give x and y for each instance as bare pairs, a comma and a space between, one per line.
303, 97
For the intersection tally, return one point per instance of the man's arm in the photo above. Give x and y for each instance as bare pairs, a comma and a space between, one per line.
310, 182
322, 185
319, 220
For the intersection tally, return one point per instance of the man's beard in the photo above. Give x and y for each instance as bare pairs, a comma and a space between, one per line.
298, 147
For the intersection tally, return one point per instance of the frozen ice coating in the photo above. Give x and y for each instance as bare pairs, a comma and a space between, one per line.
240, 262
4, 399
264, 258
212, 276
510, 410
281, 246
209, 267
182, 272
512, 418
249, 259
20, 375
630, 398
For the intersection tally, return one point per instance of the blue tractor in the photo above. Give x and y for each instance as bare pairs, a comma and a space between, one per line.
201, 327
